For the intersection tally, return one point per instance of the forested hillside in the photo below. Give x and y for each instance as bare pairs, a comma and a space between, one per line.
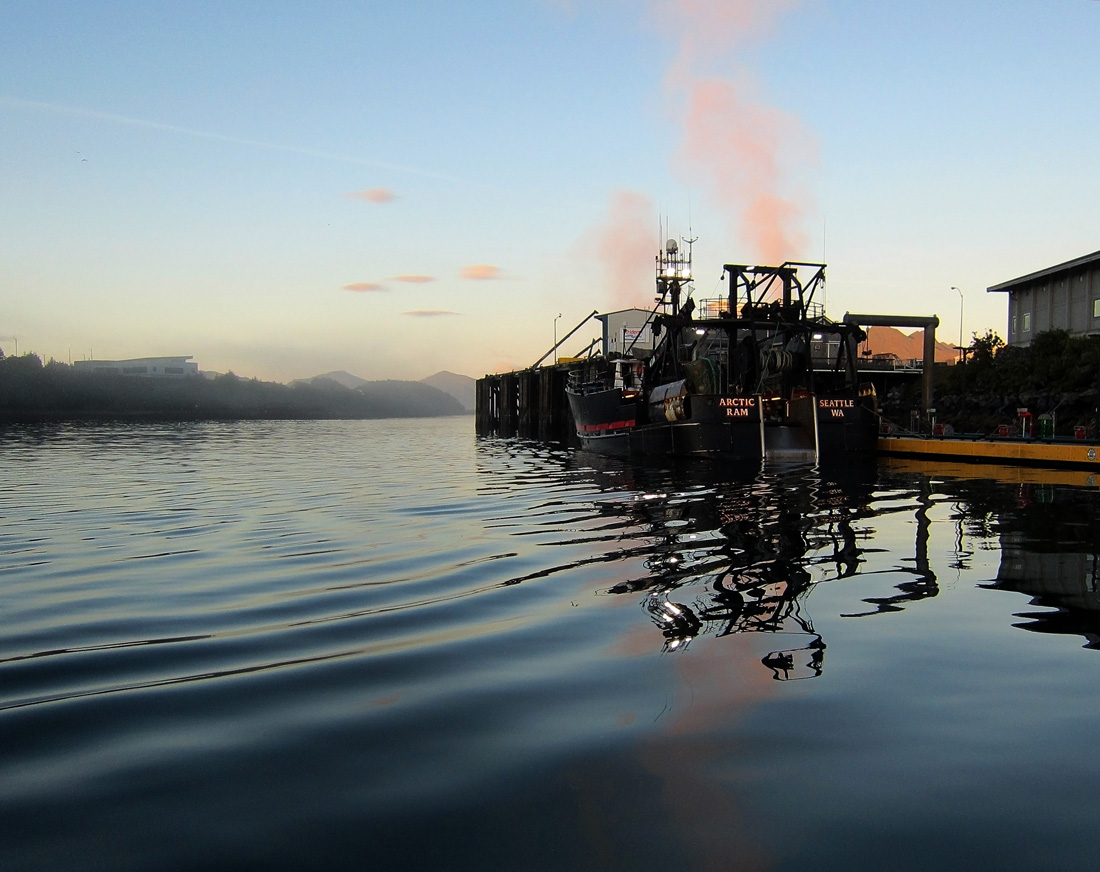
31, 391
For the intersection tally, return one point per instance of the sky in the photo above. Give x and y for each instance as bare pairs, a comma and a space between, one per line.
283, 189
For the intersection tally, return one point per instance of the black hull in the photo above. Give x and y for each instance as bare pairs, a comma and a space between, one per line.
813, 429
697, 439
845, 425
602, 413
712, 426
615, 445
603, 420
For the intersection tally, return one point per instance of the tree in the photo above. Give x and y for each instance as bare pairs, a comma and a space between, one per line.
984, 348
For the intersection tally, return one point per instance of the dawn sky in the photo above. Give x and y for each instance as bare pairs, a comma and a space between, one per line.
282, 189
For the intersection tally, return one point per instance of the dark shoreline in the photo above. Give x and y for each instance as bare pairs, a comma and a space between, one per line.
33, 393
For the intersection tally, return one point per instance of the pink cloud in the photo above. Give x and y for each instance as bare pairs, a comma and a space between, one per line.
429, 313
625, 244
742, 152
480, 272
373, 195
414, 279
364, 287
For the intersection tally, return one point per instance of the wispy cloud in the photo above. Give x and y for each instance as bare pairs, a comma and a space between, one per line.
481, 272
373, 195
365, 287
97, 115
414, 279
705, 30
429, 313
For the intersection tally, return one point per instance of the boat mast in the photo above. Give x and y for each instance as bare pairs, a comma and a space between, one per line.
673, 274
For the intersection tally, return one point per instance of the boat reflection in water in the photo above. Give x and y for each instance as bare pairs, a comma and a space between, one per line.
929, 691
736, 550
741, 556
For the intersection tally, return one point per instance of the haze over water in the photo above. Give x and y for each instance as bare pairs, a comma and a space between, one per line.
386, 644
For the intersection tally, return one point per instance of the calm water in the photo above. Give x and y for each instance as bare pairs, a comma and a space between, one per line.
381, 645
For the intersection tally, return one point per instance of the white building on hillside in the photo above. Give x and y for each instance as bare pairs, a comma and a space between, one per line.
159, 367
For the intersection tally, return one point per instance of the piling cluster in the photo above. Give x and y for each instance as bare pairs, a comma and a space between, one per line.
530, 403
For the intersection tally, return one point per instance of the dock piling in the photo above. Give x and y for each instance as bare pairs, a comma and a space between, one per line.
529, 403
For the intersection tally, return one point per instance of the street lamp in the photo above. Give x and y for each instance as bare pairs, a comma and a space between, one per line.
556, 333
962, 355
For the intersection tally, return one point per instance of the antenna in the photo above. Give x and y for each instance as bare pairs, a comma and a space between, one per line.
690, 240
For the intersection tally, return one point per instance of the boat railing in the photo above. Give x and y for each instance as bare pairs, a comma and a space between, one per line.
580, 381
714, 309
880, 363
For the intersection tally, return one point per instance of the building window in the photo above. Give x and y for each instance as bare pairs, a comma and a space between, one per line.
1096, 308
1027, 322
1013, 323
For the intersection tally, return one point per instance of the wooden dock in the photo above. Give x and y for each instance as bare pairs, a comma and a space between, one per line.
529, 403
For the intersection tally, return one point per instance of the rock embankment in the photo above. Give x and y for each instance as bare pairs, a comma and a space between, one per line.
1058, 375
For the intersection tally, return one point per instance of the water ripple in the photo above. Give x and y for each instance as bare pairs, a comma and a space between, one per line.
204, 624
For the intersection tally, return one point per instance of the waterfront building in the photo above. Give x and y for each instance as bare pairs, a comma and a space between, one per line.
1062, 297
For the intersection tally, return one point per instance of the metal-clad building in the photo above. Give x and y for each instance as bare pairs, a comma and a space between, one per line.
1066, 297
627, 328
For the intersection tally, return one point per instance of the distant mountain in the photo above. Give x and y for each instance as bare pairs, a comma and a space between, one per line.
401, 399
890, 340
341, 377
461, 387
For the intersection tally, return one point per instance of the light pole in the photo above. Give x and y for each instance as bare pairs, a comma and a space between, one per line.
962, 355
556, 336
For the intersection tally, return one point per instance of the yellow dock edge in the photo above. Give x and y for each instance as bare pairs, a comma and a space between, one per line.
1081, 455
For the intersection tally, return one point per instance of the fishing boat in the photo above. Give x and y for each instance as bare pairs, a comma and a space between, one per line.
760, 374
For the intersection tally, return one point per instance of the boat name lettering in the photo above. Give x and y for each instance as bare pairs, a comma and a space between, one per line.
737, 413
836, 404
737, 402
